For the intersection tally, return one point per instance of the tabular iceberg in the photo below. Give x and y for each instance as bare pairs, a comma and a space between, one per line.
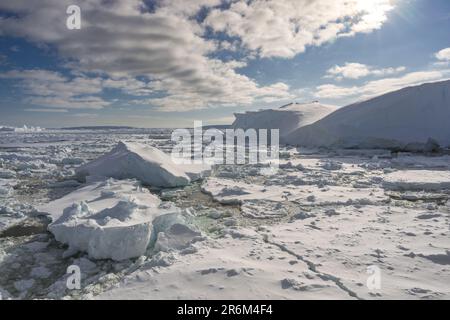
414, 118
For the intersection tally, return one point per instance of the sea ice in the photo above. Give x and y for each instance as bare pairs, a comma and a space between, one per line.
7, 174
109, 219
6, 187
145, 163
417, 180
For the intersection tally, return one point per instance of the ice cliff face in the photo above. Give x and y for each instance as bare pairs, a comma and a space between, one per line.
404, 119
286, 119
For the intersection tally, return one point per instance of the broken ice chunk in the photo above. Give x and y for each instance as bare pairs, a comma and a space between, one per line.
146, 163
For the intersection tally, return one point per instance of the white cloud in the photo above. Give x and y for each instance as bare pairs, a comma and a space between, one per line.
378, 87
358, 70
164, 52
443, 55
274, 28
123, 43
52, 90
129, 85
331, 91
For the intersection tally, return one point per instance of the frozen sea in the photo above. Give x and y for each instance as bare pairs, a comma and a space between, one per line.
342, 224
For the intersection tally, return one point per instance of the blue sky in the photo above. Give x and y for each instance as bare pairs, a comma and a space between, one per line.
167, 63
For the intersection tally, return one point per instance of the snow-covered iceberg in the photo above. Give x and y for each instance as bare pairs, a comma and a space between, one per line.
415, 118
118, 233
107, 219
146, 163
287, 118
110, 219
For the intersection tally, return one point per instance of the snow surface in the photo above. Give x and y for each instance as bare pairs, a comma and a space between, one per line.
228, 191
310, 231
286, 119
146, 163
405, 119
100, 195
418, 180
231, 268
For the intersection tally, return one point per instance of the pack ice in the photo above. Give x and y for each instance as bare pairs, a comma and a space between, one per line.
414, 118
109, 219
417, 180
130, 160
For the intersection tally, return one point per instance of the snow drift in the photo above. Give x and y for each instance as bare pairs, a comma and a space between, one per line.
413, 118
287, 118
138, 161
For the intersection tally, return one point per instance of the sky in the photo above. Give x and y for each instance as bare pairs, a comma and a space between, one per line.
168, 63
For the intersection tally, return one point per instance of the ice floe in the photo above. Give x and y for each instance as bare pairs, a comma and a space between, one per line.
231, 268
418, 180
109, 219
146, 163
7, 174
6, 187
309, 195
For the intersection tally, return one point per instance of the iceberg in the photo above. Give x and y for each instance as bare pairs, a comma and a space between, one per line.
109, 219
414, 118
287, 118
146, 163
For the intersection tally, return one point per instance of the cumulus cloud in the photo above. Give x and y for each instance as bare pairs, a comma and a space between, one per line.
443, 55
378, 87
358, 70
274, 28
